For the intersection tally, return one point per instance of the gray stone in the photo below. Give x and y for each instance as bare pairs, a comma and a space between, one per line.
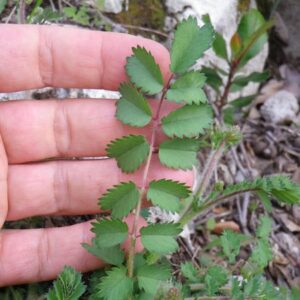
280, 108
113, 6
290, 11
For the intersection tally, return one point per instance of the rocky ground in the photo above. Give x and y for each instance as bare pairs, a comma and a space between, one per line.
270, 125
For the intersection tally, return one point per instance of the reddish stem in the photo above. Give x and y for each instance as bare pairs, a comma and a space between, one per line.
155, 126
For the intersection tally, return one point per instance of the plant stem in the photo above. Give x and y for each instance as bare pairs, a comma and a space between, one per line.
211, 165
200, 286
224, 97
208, 298
134, 234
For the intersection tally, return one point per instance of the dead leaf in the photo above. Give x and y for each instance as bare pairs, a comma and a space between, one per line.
220, 227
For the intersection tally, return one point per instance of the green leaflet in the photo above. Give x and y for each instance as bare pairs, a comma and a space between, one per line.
110, 232
151, 277
179, 153
265, 227
215, 278
231, 243
213, 79
265, 200
111, 255
187, 121
242, 101
251, 22
160, 238
167, 193
144, 72
130, 152
116, 285
132, 108
189, 44
219, 46
121, 199
262, 253
68, 286
241, 81
190, 272
188, 89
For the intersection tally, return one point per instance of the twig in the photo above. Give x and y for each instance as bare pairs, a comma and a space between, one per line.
60, 6
243, 210
10, 15
118, 27
52, 5
238, 163
157, 32
22, 17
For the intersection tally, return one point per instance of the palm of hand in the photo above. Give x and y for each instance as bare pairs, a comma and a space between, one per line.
32, 132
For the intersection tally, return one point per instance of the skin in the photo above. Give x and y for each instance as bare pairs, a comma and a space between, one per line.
32, 131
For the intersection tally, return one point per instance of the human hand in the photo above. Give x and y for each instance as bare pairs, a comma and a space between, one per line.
32, 131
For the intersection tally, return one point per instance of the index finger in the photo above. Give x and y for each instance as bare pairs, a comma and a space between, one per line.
34, 56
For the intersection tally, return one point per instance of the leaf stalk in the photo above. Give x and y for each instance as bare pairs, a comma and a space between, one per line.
189, 212
137, 212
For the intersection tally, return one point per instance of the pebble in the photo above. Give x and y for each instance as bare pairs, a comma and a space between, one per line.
280, 108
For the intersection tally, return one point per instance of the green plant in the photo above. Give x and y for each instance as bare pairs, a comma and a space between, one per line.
246, 43
147, 275
211, 281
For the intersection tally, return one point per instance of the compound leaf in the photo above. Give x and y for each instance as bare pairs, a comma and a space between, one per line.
151, 277
262, 253
219, 46
68, 286
190, 42
111, 255
190, 272
167, 194
264, 228
187, 121
160, 238
130, 152
215, 278
179, 153
116, 285
121, 199
110, 232
188, 89
132, 108
231, 243
144, 72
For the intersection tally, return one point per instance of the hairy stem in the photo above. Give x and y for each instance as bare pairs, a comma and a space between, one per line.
134, 234
189, 213
200, 286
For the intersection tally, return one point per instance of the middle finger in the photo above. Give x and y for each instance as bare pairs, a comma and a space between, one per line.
36, 130
71, 187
